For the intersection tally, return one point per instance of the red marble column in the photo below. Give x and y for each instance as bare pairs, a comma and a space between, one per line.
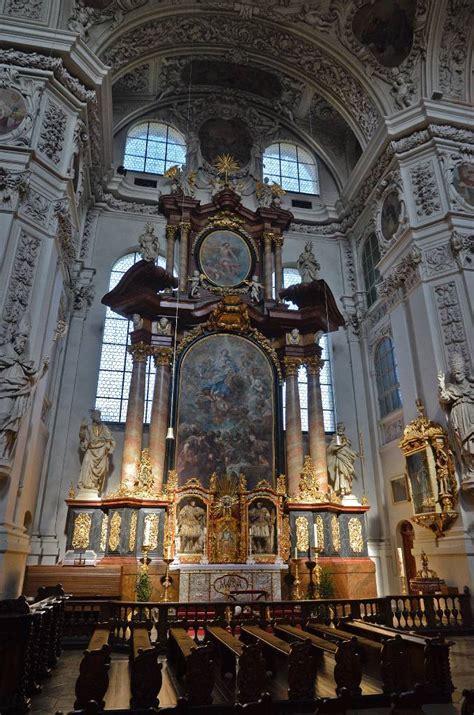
317, 436
183, 256
267, 265
278, 241
170, 239
132, 440
294, 436
159, 415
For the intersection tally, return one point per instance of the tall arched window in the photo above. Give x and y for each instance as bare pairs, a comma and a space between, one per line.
388, 387
370, 258
292, 167
290, 277
153, 147
115, 362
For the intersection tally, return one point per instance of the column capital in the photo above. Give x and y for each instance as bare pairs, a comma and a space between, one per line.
162, 356
171, 231
278, 241
268, 236
314, 364
185, 226
139, 351
292, 365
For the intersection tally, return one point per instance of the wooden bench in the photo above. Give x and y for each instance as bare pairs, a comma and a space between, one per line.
411, 659
93, 679
294, 661
192, 663
342, 659
145, 671
243, 664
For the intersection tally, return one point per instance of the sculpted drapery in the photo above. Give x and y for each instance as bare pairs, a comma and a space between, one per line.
97, 443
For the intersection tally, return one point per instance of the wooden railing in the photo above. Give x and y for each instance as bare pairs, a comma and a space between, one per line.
423, 614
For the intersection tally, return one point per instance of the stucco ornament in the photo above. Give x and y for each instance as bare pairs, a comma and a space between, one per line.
18, 376
97, 443
457, 398
340, 459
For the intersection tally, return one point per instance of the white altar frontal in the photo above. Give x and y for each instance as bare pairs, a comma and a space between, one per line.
229, 582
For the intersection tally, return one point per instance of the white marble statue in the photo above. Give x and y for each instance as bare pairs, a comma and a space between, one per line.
17, 378
341, 458
293, 337
457, 398
261, 522
97, 443
195, 282
191, 528
255, 289
308, 266
149, 244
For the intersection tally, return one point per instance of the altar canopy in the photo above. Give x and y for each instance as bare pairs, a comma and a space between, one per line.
226, 411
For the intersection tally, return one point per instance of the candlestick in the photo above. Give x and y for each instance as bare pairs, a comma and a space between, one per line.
296, 584
316, 540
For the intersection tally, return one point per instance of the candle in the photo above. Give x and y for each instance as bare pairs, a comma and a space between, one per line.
401, 564
146, 534
296, 552
316, 540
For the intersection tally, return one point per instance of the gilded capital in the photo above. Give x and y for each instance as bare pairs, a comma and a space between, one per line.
278, 241
292, 365
314, 364
268, 237
162, 356
139, 351
185, 226
171, 231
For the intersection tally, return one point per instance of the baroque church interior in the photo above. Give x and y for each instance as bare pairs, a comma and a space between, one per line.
236, 345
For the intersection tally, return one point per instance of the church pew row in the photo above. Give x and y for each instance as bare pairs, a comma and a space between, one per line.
242, 667
145, 671
412, 660
30, 645
293, 663
192, 665
93, 679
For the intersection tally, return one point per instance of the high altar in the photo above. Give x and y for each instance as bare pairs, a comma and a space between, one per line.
230, 501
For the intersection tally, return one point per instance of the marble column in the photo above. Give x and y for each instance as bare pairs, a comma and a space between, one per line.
316, 434
170, 239
267, 264
278, 242
132, 439
183, 256
294, 436
159, 415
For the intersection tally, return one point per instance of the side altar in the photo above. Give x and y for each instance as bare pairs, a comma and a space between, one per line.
222, 491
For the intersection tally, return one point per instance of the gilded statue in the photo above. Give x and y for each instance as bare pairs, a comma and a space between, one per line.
340, 459
191, 528
457, 398
17, 378
262, 536
97, 443
308, 266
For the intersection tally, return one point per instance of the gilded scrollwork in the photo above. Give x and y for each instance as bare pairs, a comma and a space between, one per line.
302, 533
308, 488
82, 530
319, 523
132, 534
103, 532
151, 525
356, 539
285, 538
335, 533
114, 531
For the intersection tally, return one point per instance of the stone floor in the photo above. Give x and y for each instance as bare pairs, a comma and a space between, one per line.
58, 692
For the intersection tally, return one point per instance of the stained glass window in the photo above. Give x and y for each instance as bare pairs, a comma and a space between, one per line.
153, 148
290, 277
292, 167
370, 258
388, 387
115, 362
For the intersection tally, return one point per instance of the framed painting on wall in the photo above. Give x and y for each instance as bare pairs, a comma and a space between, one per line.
399, 489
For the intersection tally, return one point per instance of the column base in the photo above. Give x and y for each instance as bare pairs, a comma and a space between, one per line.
350, 500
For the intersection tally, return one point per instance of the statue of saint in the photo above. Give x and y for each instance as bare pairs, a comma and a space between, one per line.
149, 244
17, 378
261, 529
457, 398
97, 443
255, 289
341, 458
308, 266
191, 528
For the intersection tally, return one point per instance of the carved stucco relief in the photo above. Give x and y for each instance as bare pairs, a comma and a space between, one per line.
451, 321
19, 289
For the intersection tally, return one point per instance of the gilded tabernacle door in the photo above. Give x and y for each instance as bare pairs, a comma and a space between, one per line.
226, 411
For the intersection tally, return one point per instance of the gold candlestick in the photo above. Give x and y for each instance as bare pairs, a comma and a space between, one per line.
296, 583
166, 581
317, 571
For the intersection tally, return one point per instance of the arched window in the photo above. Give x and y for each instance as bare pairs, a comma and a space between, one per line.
388, 387
292, 167
370, 258
290, 277
115, 362
153, 147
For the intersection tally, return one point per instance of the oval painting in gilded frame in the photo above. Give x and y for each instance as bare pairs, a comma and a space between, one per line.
224, 258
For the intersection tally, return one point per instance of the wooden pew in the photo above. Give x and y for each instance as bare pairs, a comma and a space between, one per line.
93, 679
145, 671
192, 663
293, 660
343, 659
243, 663
421, 660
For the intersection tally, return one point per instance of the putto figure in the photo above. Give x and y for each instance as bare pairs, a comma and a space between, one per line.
457, 398
97, 443
308, 266
149, 244
341, 458
17, 378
